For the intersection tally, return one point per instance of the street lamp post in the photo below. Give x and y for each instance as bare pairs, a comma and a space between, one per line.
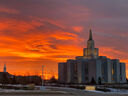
42, 87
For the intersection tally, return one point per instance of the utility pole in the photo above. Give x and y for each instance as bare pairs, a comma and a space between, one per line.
42, 87
42, 75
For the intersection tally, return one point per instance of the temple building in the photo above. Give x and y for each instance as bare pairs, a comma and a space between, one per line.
91, 66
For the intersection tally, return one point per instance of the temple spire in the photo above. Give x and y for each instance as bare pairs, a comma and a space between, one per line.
4, 67
90, 35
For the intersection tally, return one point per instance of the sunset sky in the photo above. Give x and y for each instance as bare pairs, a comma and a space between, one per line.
44, 32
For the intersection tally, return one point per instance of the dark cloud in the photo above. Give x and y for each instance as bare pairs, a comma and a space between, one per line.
52, 29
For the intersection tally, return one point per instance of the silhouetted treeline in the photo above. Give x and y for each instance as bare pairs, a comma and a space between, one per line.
6, 78
26, 80
52, 80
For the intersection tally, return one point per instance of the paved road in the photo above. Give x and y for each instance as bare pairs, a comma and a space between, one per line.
54, 91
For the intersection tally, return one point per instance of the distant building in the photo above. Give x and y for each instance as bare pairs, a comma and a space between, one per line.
5, 76
92, 66
4, 68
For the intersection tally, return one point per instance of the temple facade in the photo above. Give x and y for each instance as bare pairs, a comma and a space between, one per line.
91, 67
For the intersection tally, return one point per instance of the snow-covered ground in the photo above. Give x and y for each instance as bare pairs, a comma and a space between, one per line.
66, 90
112, 90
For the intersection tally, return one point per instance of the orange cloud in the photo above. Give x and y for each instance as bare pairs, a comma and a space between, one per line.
77, 28
28, 42
64, 35
23, 49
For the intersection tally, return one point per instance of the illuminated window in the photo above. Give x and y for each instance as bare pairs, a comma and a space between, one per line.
112, 71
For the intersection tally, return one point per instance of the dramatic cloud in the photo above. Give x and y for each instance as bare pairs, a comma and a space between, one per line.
36, 32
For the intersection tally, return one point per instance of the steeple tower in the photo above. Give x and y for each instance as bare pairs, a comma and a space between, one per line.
90, 42
90, 52
4, 67
90, 35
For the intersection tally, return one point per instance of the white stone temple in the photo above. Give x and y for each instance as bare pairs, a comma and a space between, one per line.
92, 66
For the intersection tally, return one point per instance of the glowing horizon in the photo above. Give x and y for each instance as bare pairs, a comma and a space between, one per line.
44, 32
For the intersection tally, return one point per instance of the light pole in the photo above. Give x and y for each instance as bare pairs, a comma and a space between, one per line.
42, 87
42, 75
